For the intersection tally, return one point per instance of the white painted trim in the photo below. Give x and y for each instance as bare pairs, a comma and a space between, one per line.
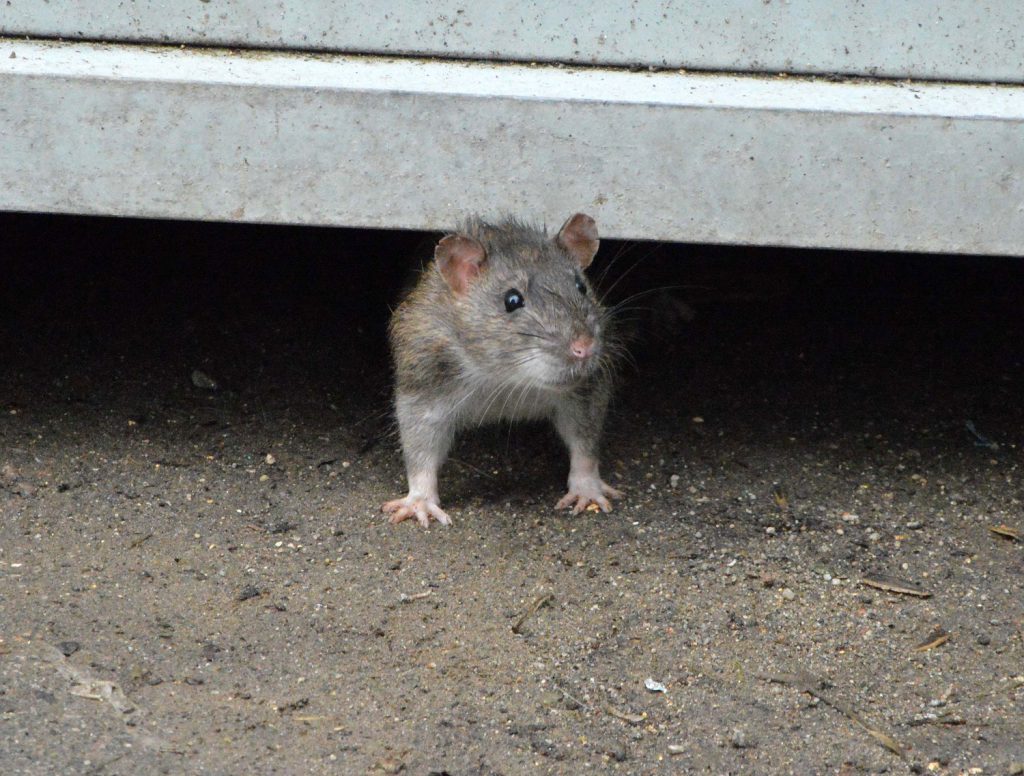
520, 82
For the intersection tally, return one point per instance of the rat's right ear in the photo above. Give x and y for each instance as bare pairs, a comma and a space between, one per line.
459, 259
578, 238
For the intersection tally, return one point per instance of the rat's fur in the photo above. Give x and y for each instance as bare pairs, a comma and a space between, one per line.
462, 359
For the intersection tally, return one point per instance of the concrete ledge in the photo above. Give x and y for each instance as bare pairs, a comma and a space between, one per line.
360, 141
956, 40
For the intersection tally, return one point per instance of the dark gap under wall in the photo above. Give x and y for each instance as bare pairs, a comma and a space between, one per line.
120, 313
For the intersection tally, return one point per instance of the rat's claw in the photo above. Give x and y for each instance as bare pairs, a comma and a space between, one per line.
565, 500
608, 490
439, 514
582, 495
401, 509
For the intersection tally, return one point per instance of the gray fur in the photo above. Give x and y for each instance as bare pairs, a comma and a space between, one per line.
464, 360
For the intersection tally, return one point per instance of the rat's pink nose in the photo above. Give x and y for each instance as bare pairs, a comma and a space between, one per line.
582, 347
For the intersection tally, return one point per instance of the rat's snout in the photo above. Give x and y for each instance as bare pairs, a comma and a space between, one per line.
582, 347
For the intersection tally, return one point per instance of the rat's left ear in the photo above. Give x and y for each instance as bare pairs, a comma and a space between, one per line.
578, 238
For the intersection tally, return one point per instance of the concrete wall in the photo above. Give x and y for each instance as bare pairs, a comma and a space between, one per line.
290, 136
961, 40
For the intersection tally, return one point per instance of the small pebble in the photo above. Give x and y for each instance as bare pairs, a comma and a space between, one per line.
915, 525
551, 699
673, 481
984, 640
654, 686
739, 740
202, 380
617, 754
249, 591
788, 594
68, 648
389, 765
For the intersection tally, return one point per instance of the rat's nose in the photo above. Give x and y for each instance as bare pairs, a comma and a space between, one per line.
581, 347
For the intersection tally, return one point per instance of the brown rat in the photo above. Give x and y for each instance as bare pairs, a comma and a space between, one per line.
502, 326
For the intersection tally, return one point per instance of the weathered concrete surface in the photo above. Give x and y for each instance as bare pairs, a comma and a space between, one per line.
415, 144
958, 40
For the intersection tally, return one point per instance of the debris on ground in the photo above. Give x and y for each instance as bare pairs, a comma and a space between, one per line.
893, 585
808, 684
531, 610
654, 686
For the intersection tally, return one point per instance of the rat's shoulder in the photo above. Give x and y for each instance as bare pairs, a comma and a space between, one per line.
423, 310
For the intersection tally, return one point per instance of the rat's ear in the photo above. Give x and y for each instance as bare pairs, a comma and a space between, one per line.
459, 260
578, 238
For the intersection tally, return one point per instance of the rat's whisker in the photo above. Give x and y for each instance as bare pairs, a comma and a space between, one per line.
624, 250
630, 269
649, 291
545, 337
489, 400
530, 385
523, 381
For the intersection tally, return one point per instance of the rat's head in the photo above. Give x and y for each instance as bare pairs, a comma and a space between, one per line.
525, 312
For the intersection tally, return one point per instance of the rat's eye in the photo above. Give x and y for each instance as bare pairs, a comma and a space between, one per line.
513, 299
580, 285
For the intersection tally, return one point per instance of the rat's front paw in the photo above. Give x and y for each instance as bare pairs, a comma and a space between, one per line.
415, 506
582, 493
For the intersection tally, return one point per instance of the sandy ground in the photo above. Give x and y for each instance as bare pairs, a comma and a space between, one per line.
199, 581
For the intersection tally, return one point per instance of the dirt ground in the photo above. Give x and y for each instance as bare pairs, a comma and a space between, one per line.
198, 580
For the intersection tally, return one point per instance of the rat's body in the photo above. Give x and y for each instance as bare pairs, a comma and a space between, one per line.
503, 326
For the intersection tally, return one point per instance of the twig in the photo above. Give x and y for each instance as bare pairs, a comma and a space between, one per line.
544, 599
625, 716
890, 585
809, 685
408, 599
937, 638
572, 697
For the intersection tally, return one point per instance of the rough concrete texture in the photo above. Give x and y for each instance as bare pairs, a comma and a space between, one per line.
198, 580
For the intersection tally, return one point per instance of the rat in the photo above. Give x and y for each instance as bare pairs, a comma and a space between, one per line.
503, 325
